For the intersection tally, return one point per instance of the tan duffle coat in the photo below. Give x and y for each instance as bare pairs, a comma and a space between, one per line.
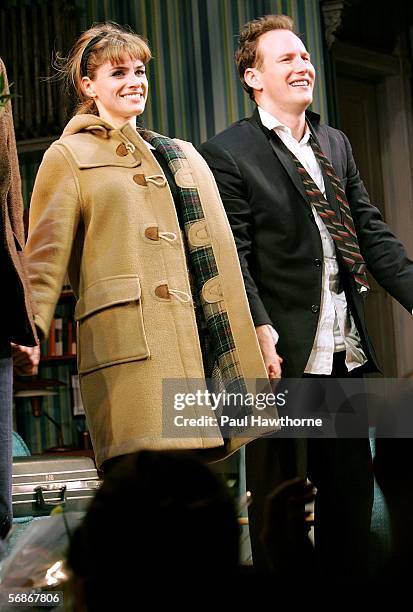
102, 209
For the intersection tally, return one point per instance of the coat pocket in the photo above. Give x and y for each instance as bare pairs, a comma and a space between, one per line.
111, 329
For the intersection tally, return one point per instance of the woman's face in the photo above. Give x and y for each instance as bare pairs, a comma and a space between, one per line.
119, 90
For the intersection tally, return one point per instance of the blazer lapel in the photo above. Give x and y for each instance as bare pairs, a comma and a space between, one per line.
321, 136
283, 155
287, 161
319, 133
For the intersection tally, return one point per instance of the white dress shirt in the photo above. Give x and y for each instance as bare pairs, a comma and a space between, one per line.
336, 329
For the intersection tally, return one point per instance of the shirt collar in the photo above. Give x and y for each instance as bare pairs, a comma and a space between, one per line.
272, 123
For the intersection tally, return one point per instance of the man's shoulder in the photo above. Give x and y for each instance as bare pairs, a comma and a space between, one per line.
236, 136
318, 126
333, 132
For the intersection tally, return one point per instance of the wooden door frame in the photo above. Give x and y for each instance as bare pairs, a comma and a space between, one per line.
391, 73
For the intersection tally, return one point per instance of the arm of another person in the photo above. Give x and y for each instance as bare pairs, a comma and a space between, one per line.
234, 195
25, 359
285, 531
53, 222
384, 254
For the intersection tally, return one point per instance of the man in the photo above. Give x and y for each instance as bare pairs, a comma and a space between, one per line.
305, 232
17, 320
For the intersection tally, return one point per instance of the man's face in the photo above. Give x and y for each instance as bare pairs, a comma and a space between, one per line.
285, 80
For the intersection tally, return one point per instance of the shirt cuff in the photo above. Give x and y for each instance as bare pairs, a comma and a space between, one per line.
274, 334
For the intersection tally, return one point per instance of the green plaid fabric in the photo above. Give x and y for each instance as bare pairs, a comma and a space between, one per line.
226, 373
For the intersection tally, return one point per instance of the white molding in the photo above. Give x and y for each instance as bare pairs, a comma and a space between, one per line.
332, 11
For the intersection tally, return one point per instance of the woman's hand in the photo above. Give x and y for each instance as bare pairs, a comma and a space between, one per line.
271, 358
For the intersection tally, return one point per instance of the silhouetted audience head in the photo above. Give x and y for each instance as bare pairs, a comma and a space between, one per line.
159, 517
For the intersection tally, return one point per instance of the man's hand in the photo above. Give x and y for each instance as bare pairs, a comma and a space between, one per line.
25, 359
285, 528
271, 359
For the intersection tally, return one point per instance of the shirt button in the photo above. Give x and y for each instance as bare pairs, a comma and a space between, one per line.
315, 308
317, 262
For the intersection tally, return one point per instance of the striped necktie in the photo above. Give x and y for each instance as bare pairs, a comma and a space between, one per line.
342, 230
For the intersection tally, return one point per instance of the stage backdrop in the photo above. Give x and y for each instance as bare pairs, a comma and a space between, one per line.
194, 88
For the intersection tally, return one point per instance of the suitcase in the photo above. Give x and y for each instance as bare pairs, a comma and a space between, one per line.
44, 482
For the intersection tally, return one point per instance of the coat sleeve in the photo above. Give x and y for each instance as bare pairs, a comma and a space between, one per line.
14, 193
384, 254
53, 221
234, 195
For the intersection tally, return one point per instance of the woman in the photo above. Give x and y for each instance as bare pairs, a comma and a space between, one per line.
109, 204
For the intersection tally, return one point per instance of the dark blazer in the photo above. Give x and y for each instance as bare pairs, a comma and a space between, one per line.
278, 241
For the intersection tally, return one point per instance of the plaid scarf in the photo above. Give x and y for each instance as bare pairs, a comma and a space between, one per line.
226, 373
